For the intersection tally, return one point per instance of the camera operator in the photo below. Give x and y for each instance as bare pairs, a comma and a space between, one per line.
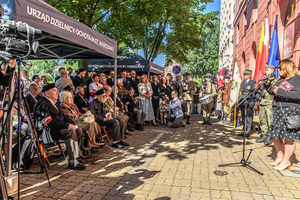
6, 72
176, 116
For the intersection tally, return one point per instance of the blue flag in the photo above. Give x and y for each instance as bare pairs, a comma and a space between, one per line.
274, 55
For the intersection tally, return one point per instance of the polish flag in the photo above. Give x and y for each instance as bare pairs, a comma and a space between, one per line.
219, 78
263, 52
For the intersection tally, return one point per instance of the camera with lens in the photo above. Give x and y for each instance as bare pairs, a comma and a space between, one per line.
15, 40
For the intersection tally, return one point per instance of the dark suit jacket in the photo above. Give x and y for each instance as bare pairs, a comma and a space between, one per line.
247, 88
132, 104
31, 101
135, 84
127, 83
81, 103
43, 110
77, 81
110, 82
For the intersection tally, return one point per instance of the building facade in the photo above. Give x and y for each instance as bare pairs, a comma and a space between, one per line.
226, 33
247, 29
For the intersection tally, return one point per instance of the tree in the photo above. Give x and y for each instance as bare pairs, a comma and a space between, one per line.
172, 27
205, 59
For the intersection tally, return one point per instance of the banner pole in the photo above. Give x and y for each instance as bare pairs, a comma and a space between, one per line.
234, 118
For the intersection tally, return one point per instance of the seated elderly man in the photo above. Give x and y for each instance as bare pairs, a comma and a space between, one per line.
103, 116
49, 120
176, 116
131, 102
33, 97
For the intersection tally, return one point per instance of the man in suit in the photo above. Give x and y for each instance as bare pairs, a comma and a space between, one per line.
247, 86
110, 81
135, 82
49, 119
207, 88
32, 97
126, 81
131, 102
188, 90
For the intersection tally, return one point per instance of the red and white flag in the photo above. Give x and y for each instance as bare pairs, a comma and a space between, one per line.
219, 78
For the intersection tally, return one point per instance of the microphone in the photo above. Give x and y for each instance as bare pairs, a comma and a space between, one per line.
266, 77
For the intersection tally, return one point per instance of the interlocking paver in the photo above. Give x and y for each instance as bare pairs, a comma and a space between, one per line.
164, 163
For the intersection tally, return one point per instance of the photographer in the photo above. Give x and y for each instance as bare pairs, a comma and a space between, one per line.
6, 72
176, 116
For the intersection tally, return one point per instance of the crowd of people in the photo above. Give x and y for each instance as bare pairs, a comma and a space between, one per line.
64, 110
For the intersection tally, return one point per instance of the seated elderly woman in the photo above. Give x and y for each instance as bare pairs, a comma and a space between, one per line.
71, 112
122, 89
120, 112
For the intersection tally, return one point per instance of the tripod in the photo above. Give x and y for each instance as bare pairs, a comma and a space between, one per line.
244, 162
19, 96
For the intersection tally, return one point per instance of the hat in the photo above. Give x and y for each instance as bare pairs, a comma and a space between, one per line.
68, 88
270, 67
48, 87
226, 77
208, 76
101, 91
188, 73
248, 72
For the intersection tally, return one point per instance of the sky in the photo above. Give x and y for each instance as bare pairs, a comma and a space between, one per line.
216, 5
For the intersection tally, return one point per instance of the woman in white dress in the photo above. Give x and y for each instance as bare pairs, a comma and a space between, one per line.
94, 87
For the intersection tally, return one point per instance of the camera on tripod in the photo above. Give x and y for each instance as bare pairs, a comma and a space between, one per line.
16, 40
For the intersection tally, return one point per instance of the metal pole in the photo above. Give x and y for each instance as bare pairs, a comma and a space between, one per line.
115, 85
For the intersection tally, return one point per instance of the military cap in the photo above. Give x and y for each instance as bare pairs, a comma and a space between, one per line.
270, 67
101, 91
226, 77
208, 76
248, 72
48, 87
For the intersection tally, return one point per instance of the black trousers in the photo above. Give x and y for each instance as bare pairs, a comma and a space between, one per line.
249, 116
117, 125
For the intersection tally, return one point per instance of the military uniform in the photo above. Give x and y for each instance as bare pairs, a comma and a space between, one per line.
186, 86
247, 86
225, 100
265, 112
207, 88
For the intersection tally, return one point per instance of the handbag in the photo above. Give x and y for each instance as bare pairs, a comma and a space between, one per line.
88, 117
291, 121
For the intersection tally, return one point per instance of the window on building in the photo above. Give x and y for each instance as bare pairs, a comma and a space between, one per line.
254, 10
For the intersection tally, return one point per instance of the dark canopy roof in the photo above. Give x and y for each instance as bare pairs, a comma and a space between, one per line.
127, 62
62, 37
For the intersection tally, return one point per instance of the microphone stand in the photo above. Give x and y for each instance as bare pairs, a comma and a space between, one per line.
244, 162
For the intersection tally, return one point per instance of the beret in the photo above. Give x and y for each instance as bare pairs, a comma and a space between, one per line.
48, 87
101, 91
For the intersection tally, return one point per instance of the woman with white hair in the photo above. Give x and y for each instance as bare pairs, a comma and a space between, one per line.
71, 112
121, 88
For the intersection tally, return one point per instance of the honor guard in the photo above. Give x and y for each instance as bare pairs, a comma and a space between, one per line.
265, 109
207, 89
225, 99
188, 89
247, 86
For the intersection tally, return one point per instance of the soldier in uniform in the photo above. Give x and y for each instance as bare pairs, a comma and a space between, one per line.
225, 100
207, 88
188, 89
265, 111
247, 86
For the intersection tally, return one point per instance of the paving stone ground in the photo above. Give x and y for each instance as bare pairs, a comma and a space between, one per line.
164, 163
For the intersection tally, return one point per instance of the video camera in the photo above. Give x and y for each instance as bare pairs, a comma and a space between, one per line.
13, 47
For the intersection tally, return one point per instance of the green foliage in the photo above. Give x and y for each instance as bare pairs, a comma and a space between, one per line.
205, 59
170, 27
49, 68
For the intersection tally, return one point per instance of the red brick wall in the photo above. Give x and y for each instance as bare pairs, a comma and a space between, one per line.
243, 51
